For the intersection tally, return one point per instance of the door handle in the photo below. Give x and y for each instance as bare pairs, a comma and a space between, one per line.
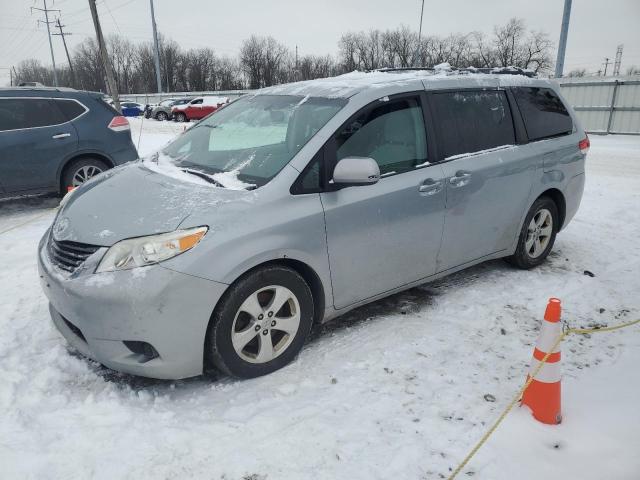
61, 135
430, 187
460, 179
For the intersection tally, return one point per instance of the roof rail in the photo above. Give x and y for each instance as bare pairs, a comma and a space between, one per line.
464, 71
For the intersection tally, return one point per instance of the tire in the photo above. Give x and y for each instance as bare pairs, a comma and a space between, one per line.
161, 116
234, 343
180, 117
538, 234
79, 171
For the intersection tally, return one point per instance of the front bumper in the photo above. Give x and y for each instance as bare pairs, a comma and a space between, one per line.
97, 313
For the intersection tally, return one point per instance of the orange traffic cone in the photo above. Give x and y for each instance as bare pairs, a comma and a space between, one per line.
543, 394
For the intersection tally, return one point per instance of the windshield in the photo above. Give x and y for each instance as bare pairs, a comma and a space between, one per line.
253, 138
167, 103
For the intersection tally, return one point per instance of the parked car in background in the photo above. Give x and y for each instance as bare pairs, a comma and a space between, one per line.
162, 111
54, 138
348, 190
197, 108
132, 109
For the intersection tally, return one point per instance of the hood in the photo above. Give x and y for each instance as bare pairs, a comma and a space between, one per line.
133, 201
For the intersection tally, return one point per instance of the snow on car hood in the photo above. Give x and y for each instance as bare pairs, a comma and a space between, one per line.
133, 201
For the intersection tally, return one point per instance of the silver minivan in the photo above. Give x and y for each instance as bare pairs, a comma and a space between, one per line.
297, 203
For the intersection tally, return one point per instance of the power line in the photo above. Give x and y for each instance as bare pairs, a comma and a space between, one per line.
47, 22
66, 50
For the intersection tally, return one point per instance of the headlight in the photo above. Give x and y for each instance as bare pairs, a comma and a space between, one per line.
141, 251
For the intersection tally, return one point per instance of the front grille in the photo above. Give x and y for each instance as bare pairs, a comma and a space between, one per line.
69, 255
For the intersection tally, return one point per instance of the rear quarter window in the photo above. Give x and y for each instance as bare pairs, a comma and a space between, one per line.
543, 112
70, 109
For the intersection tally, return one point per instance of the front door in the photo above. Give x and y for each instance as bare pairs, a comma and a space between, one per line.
385, 235
488, 179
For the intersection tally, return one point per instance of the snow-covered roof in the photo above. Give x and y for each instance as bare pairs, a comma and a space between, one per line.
349, 84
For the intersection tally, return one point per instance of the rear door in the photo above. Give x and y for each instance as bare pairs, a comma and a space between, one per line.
383, 236
35, 137
488, 179
194, 110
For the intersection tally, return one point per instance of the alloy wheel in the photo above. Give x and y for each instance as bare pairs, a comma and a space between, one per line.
265, 324
539, 233
85, 173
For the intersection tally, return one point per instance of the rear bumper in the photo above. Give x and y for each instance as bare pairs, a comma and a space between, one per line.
97, 313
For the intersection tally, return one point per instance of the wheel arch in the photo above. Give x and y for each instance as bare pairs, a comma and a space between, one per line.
308, 274
67, 163
558, 198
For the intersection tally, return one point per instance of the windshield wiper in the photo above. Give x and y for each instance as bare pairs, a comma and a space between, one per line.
204, 176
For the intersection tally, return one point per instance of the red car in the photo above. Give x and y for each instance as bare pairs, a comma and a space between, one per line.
197, 108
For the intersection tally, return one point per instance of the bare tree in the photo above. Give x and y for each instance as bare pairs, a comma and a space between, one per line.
264, 61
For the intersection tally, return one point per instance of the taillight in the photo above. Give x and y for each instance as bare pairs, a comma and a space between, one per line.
584, 144
118, 124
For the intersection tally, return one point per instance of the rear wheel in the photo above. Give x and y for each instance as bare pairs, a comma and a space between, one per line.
261, 323
180, 117
161, 116
80, 171
538, 234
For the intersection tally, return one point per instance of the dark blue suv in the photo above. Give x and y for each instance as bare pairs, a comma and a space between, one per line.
55, 138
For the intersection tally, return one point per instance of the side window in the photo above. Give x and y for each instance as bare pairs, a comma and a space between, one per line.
543, 113
472, 121
197, 102
392, 133
17, 113
70, 109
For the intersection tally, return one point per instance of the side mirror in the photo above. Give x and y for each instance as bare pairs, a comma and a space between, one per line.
352, 171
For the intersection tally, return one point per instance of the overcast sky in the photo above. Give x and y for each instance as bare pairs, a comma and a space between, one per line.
596, 28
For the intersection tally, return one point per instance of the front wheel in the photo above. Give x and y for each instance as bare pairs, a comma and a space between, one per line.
261, 323
538, 234
161, 116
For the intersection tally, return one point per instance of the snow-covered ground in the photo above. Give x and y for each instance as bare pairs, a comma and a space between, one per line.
392, 390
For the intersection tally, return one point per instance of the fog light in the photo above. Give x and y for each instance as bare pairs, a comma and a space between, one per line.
142, 348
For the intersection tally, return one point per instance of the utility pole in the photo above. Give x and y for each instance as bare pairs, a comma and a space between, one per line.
564, 31
155, 42
106, 64
606, 64
10, 77
618, 61
46, 16
417, 54
64, 42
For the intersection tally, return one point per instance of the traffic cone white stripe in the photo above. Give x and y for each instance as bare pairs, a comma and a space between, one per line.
549, 373
549, 334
